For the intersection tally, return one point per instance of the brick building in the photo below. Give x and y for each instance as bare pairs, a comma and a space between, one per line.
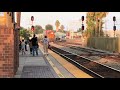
9, 40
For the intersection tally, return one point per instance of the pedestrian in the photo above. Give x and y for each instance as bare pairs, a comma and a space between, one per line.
34, 45
37, 43
23, 47
20, 46
45, 44
30, 46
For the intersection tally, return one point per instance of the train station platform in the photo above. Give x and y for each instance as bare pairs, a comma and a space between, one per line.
42, 66
34, 67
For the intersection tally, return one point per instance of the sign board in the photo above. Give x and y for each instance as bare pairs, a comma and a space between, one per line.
1, 13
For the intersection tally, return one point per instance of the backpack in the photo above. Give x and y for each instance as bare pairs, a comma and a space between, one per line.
45, 41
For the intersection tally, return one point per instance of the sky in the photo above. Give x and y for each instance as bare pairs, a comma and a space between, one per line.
109, 21
44, 18
71, 20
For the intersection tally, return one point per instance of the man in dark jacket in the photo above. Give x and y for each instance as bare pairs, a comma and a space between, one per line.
25, 45
34, 45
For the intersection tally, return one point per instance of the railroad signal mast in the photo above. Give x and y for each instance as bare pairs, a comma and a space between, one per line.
114, 27
82, 24
32, 27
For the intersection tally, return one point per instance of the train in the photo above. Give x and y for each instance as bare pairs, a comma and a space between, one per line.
54, 36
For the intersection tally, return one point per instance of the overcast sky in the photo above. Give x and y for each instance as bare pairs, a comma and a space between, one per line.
109, 20
65, 18
44, 18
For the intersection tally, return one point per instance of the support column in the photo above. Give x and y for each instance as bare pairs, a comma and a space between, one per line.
8, 56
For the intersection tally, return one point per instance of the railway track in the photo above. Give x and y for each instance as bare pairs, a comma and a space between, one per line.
92, 52
93, 68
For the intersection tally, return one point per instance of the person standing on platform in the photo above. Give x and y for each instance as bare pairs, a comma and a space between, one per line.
23, 47
30, 45
20, 46
45, 44
34, 45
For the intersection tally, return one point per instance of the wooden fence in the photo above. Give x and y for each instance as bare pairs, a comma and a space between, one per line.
104, 43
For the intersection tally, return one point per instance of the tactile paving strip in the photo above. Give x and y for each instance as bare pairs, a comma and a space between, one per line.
36, 72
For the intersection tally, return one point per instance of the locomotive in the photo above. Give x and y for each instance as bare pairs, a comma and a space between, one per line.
54, 36
50, 34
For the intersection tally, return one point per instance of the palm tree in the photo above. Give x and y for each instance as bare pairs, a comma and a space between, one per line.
94, 23
90, 20
57, 24
99, 16
62, 28
102, 15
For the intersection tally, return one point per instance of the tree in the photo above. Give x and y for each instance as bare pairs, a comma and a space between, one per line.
79, 30
91, 23
24, 33
57, 24
99, 22
38, 29
101, 15
94, 23
49, 27
62, 28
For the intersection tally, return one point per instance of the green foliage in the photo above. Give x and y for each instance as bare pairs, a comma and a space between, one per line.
24, 33
49, 27
62, 27
94, 27
38, 29
57, 23
79, 30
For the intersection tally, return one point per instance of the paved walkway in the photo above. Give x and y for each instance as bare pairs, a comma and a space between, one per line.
34, 67
41, 66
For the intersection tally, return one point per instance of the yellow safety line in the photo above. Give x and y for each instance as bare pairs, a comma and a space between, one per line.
53, 66
71, 68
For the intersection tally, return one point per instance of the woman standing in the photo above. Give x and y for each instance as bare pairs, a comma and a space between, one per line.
45, 45
30, 45
23, 47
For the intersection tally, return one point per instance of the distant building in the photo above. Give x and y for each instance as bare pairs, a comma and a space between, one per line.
110, 33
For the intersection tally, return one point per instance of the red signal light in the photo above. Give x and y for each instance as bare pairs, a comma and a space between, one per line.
82, 27
32, 28
82, 18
